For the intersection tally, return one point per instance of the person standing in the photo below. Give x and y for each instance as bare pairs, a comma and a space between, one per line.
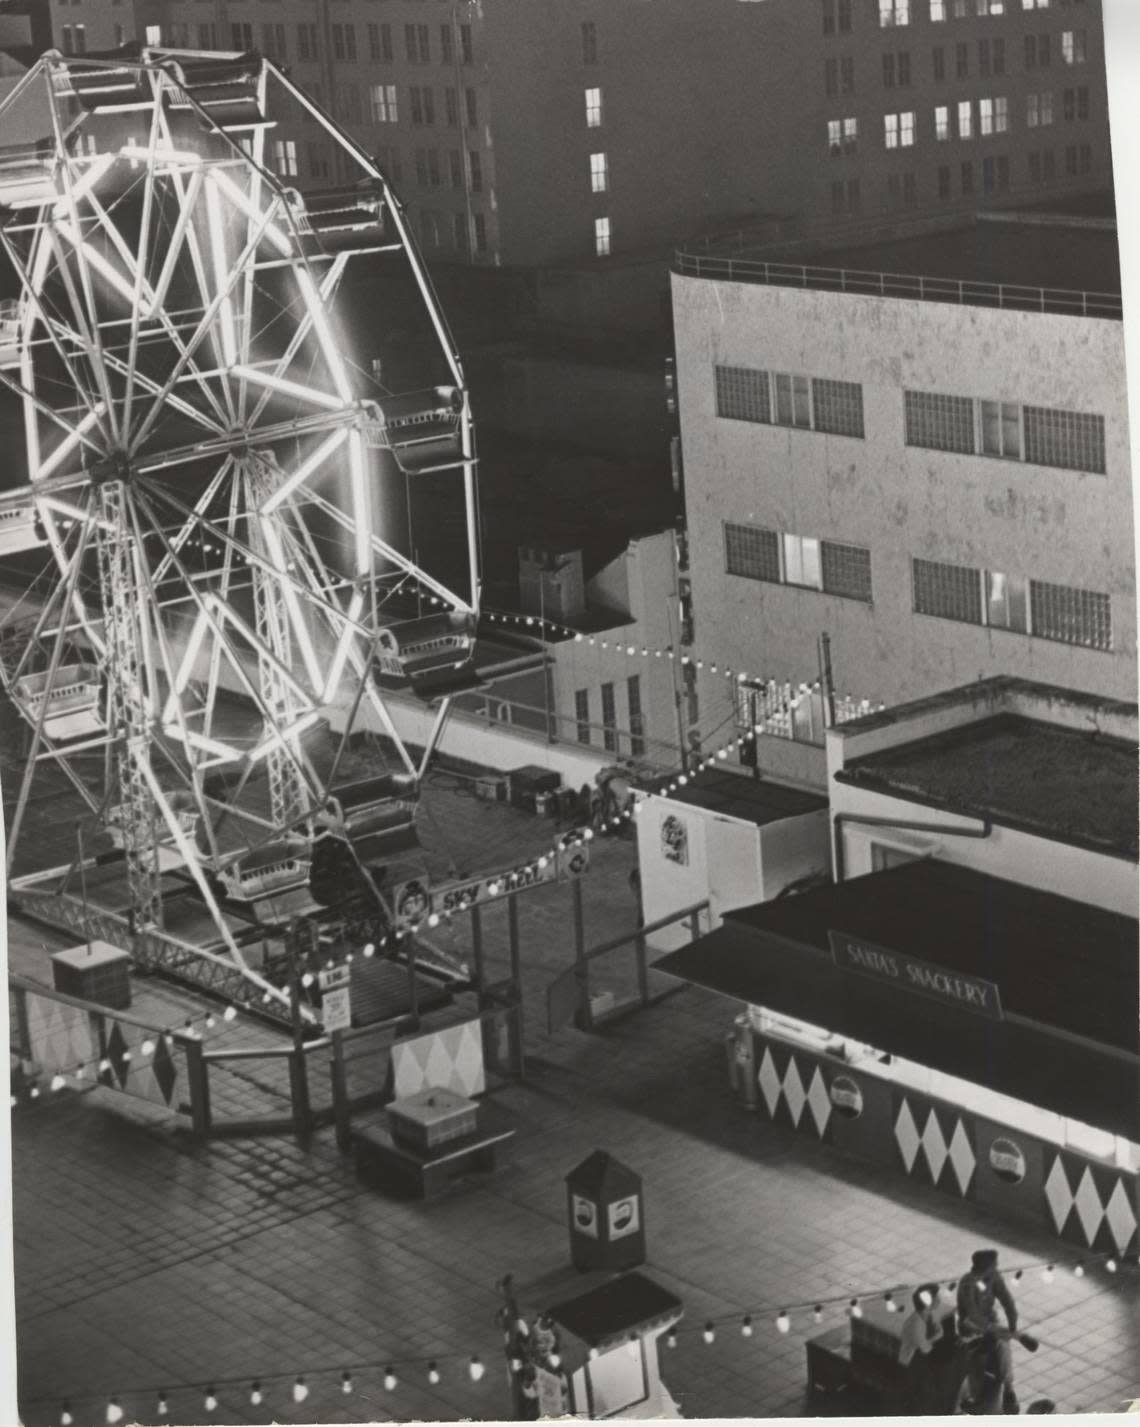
921, 1329
980, 1329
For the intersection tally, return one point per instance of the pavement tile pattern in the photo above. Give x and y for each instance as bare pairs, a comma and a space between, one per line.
145, 1260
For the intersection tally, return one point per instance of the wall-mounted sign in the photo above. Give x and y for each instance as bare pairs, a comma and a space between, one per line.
411, 903
1007, 1160
625, 1217
585, 1213
334, 976
675, 840
952, 988
846, 1096
336, 1010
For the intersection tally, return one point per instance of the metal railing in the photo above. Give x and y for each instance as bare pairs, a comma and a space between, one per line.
571, 997
1009, 296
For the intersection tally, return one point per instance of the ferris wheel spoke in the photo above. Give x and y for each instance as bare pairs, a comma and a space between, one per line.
205, 325
140, 266
88, 340
300, 334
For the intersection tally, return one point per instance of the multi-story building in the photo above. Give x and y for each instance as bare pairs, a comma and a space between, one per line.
550, 134
934, 469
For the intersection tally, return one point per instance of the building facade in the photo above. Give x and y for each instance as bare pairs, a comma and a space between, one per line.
940, 485
529, 132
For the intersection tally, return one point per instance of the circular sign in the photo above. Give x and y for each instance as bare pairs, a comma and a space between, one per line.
585, 1213
1007, 1160
412, 903
846, 1096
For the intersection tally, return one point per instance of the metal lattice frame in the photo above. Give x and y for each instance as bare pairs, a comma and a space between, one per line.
197, 445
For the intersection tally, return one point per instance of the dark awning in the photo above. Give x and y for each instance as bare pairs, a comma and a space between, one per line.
1068, 976
615, 1309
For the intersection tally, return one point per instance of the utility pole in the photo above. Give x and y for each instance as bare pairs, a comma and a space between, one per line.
826, 682
298, 1073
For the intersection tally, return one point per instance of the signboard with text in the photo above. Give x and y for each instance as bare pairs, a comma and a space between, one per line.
952, 988
416, 900
336, 1010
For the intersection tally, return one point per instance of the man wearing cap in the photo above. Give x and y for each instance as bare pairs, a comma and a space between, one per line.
920, 1331
980, 1329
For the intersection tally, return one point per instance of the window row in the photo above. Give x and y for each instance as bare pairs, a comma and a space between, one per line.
781, 558
788, 399
460, 175
897, 13
972, 426
456, 230
384, 106
613, 740
1064, 613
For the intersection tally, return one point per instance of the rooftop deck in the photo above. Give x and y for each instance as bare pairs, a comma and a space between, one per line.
1039, 263
1074, 787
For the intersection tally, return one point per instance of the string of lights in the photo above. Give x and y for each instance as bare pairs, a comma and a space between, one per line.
345, 1379
195, 1027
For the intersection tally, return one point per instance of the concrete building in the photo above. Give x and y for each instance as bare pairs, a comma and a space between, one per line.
932, 469
535, 133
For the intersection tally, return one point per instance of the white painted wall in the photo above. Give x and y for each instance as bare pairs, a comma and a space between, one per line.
900, 502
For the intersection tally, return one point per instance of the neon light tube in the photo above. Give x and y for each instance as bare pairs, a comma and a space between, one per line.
277, 556
324, 334
347, 634
221, 752
288, 388
221, 274
97, 262
240, 200
278, 740
362, 526
186, 668
305, 469
70, 441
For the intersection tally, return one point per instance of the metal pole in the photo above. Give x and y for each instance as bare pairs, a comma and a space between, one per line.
582, 1016
753, 723
516, 983
826, 680
298, 1071
477, 951
342, 1109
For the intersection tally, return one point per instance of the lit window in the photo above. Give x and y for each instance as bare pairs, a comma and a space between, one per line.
891, 130
153, 35
985, 116
593, 108
835, 136
850, 135
801, 562
906, 129
602, 237
599, 173
285, 158
1073, 46
382, 98
965, 119
937, 10
1001, 429
894, 12
1001, 115
1007, 601
942, 122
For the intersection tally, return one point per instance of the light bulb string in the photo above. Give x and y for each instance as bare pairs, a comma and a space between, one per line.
758, 1316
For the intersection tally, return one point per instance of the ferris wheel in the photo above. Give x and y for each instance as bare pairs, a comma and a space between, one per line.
204, 541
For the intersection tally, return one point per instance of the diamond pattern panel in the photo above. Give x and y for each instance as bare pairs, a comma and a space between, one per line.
820, 1102
450, 1059
769, 1082
962, 1157
60, 1035
934, 1146
906, 1135
794, 1091
1099, 1213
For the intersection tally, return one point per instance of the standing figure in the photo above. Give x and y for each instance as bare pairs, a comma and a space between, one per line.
981, 1331
921, 1329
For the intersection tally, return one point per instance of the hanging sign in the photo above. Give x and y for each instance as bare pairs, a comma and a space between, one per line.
675, 840
952, 988
416, 900
334, 976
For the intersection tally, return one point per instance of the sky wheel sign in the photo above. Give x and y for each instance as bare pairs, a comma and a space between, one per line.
416, 901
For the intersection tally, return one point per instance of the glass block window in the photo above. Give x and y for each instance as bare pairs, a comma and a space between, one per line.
838, 406
1069, 615
846, 570
1071, 440
582, 714
939, 422
742, 394
752, 552
947, 591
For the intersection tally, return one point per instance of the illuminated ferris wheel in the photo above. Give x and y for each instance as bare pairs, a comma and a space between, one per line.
202, 534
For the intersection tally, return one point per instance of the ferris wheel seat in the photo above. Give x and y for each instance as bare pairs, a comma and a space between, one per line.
370, 806
434, 644
70, 704
423, 430
267, 871
345, 220
26, 180
19, 526
118, 89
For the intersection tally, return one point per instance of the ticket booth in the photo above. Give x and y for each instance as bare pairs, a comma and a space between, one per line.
608, 1340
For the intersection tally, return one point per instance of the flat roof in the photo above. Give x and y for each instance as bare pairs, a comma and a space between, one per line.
1066, 784
1078, 255
1068, 976
754, 800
